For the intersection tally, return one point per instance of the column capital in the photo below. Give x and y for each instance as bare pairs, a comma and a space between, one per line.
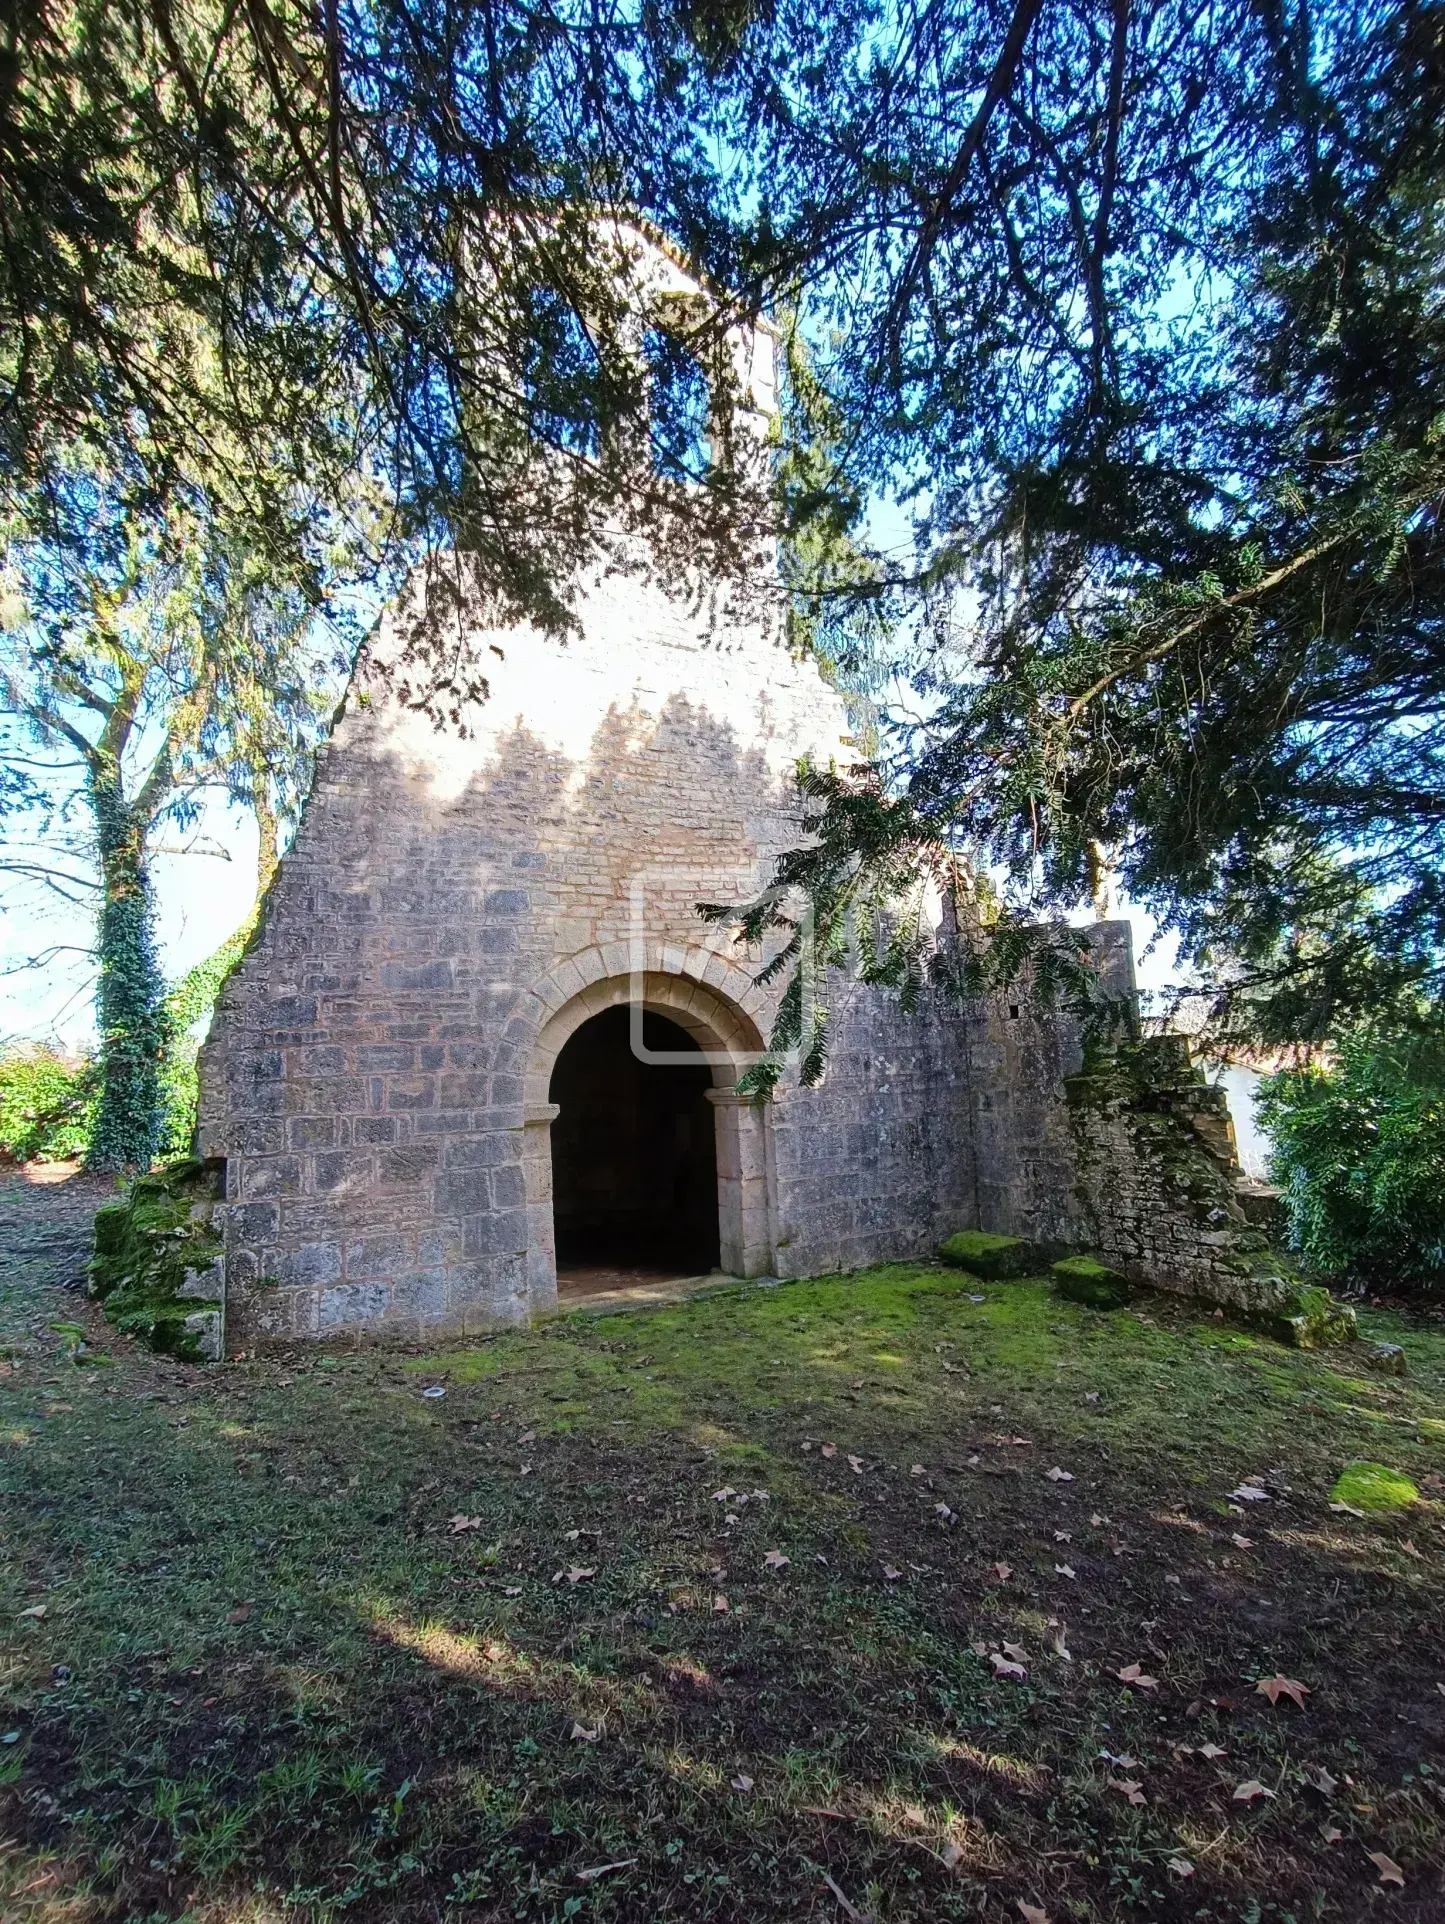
546, 1112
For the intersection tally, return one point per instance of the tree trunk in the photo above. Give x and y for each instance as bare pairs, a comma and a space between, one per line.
130, 1001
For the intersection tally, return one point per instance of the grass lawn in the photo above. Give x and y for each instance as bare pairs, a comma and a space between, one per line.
805, 1602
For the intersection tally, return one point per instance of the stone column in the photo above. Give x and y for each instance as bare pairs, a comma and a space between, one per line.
742, 1184
541, 1229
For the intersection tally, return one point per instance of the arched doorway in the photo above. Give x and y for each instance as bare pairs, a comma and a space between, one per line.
634, 1159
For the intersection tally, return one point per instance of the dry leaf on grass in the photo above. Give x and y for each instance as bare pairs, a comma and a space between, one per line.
890, 1575
1211, 1751
829, 1449
951, 1854
1016, 1651
1241, 1543
1276, 1687
600, 1870
460, 1523
722, 1495
1180, 1866
1032, 1914
513, 1590
1250, 1493
855, 1464
742, 1783
1249, 1790
1390, 1872
1003, 1571
720, 1606
578, 1575
1331, 1833
241, 1612
578, 1735
1063, 1570
1346, 1509
1002, 1667
1056, 1475
1063, 1536
1321, 1780
775, 1560
1131, 1788
36, 1610
1133, 1675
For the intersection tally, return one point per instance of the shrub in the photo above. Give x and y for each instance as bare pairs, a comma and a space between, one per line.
1359, 1152
47, 1104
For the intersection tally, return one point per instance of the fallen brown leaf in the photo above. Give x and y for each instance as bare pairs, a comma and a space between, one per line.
775, 1560
742, 1783
1031, 1914
1251, 1788
578, 1735
1131, 1788
1390, 1872
1276, 1687
1004, 1667
242, 1611
1133, 1675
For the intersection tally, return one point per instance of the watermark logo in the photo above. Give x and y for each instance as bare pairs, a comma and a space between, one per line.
664, 889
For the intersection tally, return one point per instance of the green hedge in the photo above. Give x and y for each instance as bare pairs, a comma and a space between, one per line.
47, 1104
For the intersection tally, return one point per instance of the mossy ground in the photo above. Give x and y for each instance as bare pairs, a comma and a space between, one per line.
275, 1679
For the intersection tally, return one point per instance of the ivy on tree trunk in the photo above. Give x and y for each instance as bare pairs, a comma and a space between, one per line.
130, 1000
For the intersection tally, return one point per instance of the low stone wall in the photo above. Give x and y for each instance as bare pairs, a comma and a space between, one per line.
1161, 1196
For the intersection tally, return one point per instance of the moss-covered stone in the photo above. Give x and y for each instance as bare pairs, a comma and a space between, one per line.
1388, 1358
995, 1257
1083, 1279
1374, 1486
1311, 1319
157, 1262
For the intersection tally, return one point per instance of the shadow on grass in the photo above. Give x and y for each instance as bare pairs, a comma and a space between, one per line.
314, 1645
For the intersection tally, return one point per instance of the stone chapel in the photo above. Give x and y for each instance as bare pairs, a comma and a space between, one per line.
482, 1039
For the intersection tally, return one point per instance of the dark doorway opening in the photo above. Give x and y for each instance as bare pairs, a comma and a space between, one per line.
634, 1159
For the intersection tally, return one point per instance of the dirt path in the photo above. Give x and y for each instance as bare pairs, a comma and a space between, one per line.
45, 1216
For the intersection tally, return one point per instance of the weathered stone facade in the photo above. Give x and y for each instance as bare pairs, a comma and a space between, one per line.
459, 901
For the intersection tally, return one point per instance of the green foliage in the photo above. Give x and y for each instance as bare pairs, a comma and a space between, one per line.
1359, 1152
47, 1105
188, 1012
148, 1248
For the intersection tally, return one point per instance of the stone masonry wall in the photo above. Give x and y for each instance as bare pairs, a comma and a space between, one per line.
366, 1076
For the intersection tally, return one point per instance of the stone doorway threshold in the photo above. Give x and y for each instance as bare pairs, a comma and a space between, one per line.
606, 1288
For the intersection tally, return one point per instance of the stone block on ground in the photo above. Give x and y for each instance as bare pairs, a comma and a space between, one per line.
1083, 1279
1374, 1487
1311, 1319
1387, 1358
995, 1257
